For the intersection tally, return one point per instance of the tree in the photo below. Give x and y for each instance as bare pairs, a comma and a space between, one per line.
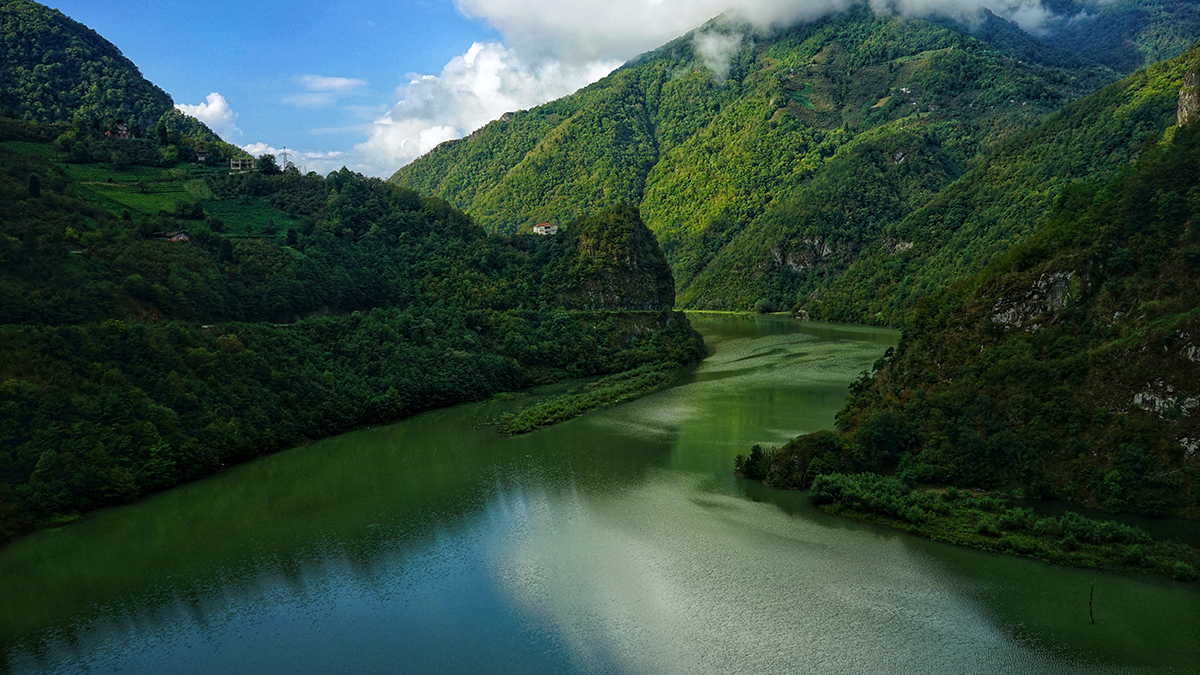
35, 186
267, 166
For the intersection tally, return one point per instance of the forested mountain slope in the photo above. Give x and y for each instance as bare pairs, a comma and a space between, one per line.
729, 170
667, 133
810, 235
53, 68
160, 317
132, 362
1125, 34
998, 203
1068, 368
56, 70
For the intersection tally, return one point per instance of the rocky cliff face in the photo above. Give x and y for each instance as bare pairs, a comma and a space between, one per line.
1043, 300
1189, 99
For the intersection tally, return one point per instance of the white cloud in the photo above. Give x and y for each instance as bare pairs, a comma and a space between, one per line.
551, 49
259, 149
216, 113
471, 90
334, 84
321, 91
312, 99
1030, 15
394, 143
582, 30
716, 50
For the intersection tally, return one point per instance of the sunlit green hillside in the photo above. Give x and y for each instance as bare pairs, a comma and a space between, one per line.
764, 176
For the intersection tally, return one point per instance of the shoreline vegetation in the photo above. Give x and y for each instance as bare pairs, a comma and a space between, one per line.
987, 523
603, 393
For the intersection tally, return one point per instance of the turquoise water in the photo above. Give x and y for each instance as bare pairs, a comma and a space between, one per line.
619, 542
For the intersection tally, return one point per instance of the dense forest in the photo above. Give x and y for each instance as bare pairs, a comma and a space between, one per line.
133, 362
55, 69
1068, 368
755, 180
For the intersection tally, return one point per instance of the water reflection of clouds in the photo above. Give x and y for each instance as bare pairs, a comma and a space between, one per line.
671, 578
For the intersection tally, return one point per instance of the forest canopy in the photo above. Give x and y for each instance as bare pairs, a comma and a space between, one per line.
135, 359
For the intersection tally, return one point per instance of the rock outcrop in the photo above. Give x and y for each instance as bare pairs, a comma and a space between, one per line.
1189, 99
1044, 299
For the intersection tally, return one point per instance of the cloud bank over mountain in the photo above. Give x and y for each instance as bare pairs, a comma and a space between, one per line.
549, 50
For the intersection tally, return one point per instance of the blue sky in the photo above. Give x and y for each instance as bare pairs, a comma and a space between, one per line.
372, 84
265, 58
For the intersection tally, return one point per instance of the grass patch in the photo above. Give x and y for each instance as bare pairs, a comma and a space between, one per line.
148, 198
144, 189
60, 519
104, 173
43, 150
249, 216
803, 95
602, 393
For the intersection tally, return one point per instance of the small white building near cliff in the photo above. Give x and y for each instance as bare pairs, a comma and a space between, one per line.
545, 229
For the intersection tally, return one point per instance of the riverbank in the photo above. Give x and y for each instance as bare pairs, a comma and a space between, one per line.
987, 524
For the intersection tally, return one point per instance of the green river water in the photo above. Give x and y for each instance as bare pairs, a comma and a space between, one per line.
619, 542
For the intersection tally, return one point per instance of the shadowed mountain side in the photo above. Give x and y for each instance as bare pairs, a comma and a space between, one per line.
999, 203
614, 264
1068, 368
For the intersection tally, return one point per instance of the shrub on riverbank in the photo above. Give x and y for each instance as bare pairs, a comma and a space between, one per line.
793, 466
986, 523
602, 393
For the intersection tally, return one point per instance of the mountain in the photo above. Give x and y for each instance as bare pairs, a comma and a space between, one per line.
664, 134
1125, 34
997, 204
56, 70
143, 350
161, 316
727, 160
53, 69
1069, 367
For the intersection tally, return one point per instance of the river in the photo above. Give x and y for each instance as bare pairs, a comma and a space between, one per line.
618, 542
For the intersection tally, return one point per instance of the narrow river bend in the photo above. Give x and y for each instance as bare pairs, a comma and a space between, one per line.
618, 542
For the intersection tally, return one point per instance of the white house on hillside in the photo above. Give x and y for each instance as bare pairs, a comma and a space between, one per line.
545, 228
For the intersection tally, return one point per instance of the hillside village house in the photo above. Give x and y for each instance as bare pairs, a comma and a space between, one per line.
177, 236
545, 229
